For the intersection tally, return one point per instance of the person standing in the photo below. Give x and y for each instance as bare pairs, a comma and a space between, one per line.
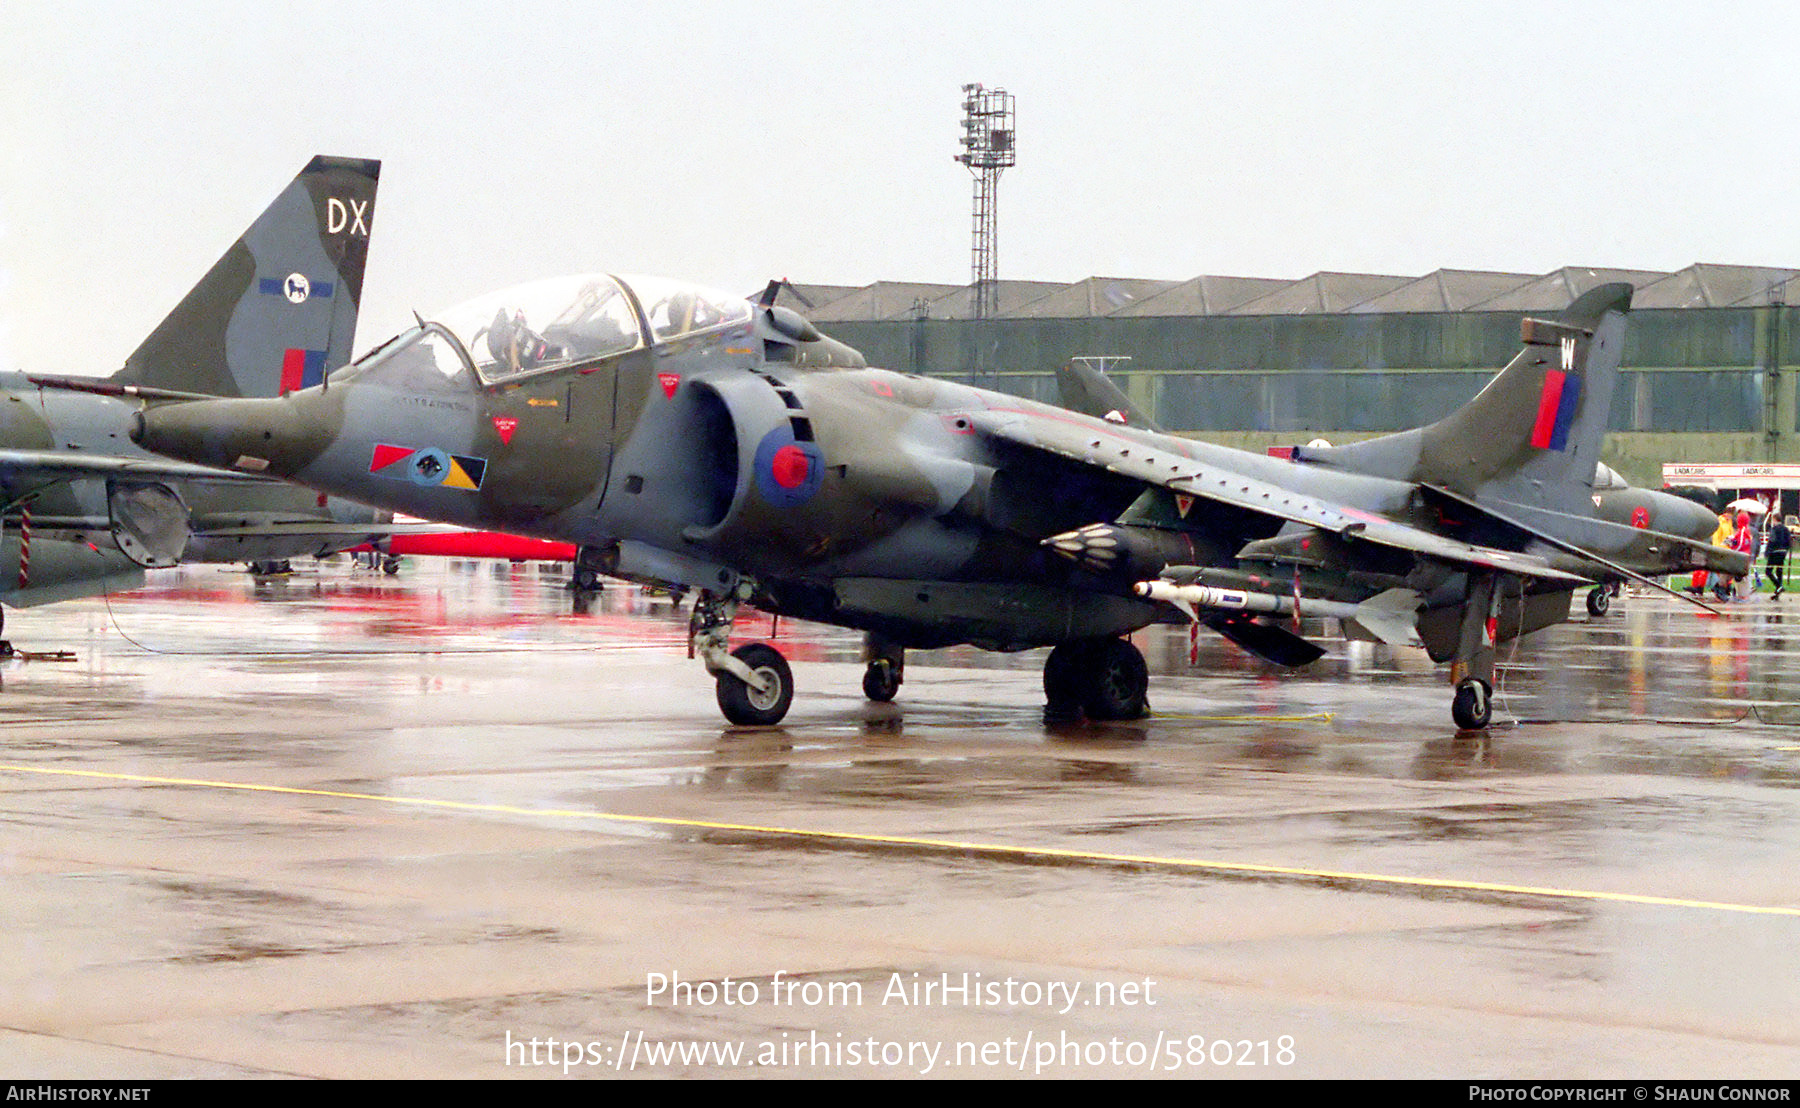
1743, 540
1781, 537
1720, 583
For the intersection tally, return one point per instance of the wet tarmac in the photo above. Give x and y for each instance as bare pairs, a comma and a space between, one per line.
460, 824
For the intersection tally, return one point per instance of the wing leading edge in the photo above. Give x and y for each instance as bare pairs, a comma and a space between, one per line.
1139, 457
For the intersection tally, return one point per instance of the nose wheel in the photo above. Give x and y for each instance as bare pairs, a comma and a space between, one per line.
755, 685
763, 700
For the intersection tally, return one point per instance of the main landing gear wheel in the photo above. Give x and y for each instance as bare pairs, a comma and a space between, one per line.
1473, 706
745, 704
881, 681
1106, 678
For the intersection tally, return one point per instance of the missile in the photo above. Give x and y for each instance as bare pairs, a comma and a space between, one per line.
1187, 597
1388, 617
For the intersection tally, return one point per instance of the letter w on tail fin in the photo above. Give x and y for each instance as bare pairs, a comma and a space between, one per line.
278, 310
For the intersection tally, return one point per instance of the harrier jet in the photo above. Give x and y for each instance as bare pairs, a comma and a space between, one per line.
692, 438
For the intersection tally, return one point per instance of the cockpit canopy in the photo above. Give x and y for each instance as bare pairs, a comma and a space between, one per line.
569, 320
562, 322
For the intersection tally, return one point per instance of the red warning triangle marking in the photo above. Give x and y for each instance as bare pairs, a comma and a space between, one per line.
669, 382
504, 426
386, 455
1183, 504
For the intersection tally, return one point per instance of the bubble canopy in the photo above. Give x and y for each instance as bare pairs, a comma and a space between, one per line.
566, 321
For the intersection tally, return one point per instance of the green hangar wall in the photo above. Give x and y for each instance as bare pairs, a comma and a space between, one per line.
1697, 385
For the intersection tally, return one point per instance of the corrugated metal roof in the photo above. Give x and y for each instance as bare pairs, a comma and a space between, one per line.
1559, 288
881, 300
1008, 295
1205, 295
808, 298
1091, 297
1447, 290
1702, 285
1713, 286
1320, 293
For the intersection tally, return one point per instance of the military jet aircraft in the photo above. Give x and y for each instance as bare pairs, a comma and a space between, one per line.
86, 510
693, 438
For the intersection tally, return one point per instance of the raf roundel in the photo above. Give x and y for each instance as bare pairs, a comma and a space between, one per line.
788, 471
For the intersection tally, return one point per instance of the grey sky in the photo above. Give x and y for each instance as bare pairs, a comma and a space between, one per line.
728, 143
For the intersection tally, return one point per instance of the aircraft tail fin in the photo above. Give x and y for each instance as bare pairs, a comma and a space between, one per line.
278, 310
1533, 435
1082, 388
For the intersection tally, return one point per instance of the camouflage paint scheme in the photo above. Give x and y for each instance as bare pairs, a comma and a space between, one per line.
752, 458
86, 509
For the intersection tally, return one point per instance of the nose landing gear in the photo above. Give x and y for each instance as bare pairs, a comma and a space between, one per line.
755, 684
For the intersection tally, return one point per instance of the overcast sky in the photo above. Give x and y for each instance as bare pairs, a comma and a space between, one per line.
729, 143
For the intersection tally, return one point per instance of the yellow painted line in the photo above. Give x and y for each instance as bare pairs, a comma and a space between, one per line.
995, 849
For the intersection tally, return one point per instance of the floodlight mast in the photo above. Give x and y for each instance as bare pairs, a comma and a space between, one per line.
988, 142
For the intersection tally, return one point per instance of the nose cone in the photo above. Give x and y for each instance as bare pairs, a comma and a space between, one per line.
276, 437
1691, 520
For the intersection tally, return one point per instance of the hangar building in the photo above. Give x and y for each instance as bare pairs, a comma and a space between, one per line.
1257, 362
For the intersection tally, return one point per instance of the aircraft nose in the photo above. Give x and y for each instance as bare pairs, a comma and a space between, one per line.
1696, 521
252, 436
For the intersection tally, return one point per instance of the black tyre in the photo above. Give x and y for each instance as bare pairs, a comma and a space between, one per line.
1062, 678
1472, 708
1116, 684
1599, 600
744, 705
587, 580
881, 682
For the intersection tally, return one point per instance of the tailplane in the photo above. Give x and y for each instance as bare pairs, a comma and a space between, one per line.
278, 310
1533, 435
1085, 389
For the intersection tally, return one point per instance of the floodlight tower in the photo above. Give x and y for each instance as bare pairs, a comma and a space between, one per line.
988, 148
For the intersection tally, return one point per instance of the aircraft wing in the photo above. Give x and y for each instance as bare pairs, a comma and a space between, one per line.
58, 465
1133, 457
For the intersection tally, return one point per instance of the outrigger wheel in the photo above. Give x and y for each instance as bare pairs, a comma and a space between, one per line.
745, 704
1473, 706
1106, 678
1599, 599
